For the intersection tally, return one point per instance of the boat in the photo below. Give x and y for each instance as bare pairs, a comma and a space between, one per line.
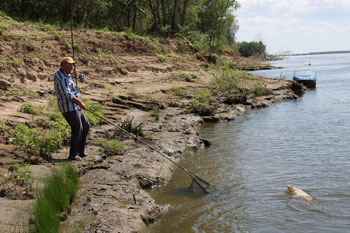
306, 77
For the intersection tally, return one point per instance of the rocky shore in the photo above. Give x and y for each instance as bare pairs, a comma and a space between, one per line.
114, 189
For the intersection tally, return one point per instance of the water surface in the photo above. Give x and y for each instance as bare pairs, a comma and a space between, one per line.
304, 143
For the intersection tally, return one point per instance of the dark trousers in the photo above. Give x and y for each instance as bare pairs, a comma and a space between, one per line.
80, 128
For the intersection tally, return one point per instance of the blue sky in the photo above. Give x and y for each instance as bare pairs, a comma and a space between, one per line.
298, 26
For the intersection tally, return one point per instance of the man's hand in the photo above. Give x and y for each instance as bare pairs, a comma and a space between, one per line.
79, 102
82, 106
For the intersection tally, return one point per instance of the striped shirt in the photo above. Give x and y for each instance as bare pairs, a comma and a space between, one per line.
66, 90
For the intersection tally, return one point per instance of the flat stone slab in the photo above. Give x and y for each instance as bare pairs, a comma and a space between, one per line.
14, 215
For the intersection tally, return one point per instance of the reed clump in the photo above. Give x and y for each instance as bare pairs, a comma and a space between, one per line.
58, 193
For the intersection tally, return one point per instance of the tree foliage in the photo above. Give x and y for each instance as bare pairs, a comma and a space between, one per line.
213, 18
253, 48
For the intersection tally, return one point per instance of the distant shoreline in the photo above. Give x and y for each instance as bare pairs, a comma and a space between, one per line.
317, 53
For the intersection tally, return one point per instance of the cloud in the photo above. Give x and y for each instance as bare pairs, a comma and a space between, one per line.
297, 20
283, 21
329, 27
307, 8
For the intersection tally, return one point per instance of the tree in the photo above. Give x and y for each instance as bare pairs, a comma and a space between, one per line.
216, 19
209, 20
253, 48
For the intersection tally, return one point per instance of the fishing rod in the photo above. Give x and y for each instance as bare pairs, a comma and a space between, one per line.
72, 36
195, 179
81, 77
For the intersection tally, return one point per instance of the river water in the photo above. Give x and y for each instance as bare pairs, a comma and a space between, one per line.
304, 143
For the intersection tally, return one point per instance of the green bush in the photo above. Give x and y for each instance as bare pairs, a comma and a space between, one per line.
226, 81
3, 127
19, 183
129, 126
27, 139
59, 191
97, 108
174, 57
112, 96
260, 90
182, 47
253, 48
205, 97
50, 142
33, 143
77, 48
203, 104
56, 121
31, 108
155, 114
199, 40
187, 77
179, 91
112, 147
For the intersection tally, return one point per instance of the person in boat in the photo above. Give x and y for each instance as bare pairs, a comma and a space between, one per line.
70, 104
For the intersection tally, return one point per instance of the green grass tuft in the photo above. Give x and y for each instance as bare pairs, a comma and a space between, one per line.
95, 107
112, 147
31, 108
179, 91
59, 191
155, 114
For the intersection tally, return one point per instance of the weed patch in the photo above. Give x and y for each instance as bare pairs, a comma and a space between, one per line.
179, 91
34, 143
3, 128
95, 107
31, 109
185, 76
17, 183
59, 191
155, 114
202, 105
129, 126
112, 96
260, 89
174, 57
20, 91
181, 46
112, 147
77, 48
226, 81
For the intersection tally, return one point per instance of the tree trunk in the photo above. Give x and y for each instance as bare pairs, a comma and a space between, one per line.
23, 8
174, 26
134, 17
165, 22
158, 14
183, 16
128, 16
156, 17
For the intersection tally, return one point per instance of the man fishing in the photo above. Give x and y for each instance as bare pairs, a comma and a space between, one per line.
70, 103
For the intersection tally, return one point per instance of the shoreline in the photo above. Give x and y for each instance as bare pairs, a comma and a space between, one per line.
113, 193
131, 208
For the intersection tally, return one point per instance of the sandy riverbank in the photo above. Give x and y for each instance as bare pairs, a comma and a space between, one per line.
129, 79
